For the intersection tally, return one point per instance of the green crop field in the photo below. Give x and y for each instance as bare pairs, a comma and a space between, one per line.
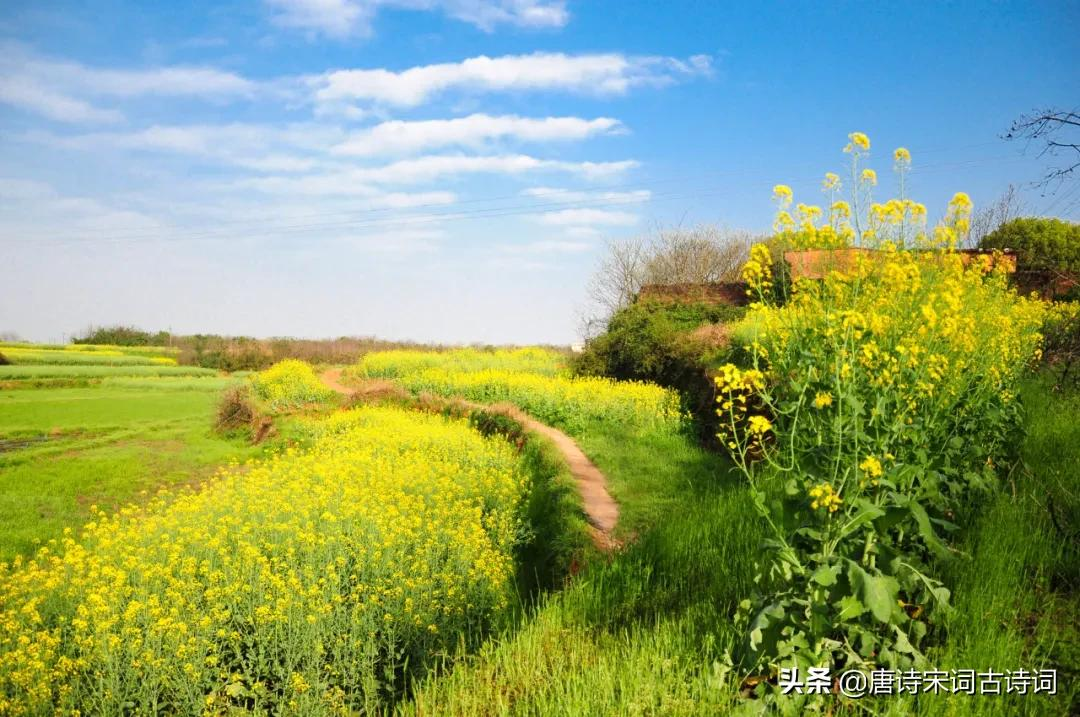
844, 481
63, 450
63, 371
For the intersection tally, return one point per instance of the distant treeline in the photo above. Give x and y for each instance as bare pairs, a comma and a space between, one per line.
242, 353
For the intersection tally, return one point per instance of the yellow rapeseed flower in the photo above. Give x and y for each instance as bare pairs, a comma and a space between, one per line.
782, 195
858, 141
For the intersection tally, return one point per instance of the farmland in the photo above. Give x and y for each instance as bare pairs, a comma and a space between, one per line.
870, 469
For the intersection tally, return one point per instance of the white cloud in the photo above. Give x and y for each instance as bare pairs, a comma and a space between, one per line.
487, 14
554, 194
22, 189
401, 242
341, 19
35, 212
548, 246
588, 217
401, 137
333, 18
266, 148
426, 169
58, 89
601, 74
32, 97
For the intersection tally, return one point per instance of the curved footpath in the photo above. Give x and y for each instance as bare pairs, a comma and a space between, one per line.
600, 508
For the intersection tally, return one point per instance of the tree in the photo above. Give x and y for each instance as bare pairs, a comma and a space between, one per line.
1008, 206
698, 255
1047, 252
1058, 131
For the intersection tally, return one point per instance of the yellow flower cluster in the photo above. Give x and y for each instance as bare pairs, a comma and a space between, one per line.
569, 402
871, 466
392, 364
21, 356
735, 389
757, 272
289, 383
825, 498
782, 195
925, 343
294, 584
857, 142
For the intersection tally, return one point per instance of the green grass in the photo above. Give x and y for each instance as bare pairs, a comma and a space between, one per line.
65, 449
23, 373
639, 633
1017, 596
645, 632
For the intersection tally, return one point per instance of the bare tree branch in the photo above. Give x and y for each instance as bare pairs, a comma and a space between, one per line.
1059, 132
697, 255
1008, 206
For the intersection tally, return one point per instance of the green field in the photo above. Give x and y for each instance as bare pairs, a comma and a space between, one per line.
37, 357
62, 371
643, 631
65, 449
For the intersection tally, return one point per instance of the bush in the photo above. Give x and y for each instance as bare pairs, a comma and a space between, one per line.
289, 384
4, 360
1061, 348
122, 336
237, 412
1048, 253
868, 418
661, 343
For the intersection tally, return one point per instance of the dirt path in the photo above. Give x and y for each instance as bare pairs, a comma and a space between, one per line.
332, 378
600, 508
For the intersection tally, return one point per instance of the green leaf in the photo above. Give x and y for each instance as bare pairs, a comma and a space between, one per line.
867, 512
878, 592
902, 643
825, 575
850, 608
926, 530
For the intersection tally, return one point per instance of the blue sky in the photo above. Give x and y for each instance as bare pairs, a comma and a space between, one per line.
449, 170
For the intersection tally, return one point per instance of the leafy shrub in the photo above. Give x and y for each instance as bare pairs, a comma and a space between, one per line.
1039, 242
1048, 253
289, 384
238, 412
869, 414
122, 336
316, 582
1061, 347
656, 342
4, 360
